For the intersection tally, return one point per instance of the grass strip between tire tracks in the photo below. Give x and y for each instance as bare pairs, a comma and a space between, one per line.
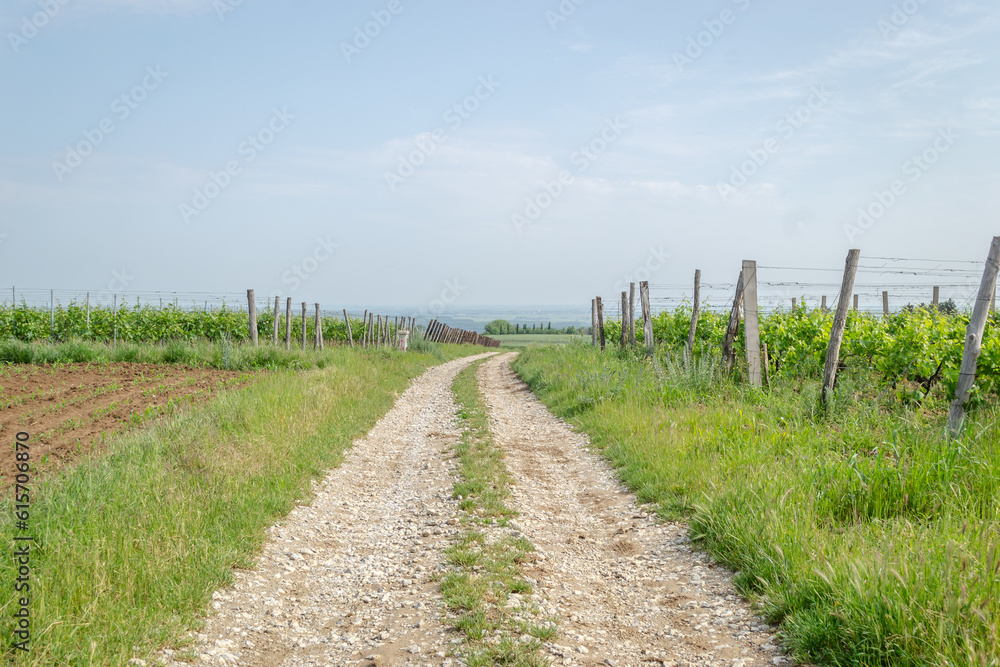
488, 599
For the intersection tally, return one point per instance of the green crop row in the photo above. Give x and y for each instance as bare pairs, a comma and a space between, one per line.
146, 324
920, 348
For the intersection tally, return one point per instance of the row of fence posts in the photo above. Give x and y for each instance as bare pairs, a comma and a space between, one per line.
379, 331
745, 305
439, 332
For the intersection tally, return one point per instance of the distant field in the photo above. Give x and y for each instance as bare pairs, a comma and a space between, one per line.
523, 340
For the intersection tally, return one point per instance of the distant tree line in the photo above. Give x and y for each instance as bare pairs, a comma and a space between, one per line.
500, 327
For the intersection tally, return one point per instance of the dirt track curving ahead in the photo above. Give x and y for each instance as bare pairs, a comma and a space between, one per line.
351, 578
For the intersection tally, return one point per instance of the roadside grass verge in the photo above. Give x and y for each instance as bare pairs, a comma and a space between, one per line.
129, 547
489, 600
862, 530
222, 355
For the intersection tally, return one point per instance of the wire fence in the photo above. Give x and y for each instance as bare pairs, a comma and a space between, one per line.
907, 281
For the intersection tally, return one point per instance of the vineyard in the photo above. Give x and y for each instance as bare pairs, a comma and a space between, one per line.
920, 348
150, 324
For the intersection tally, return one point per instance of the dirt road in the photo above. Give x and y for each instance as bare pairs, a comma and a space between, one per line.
349, 579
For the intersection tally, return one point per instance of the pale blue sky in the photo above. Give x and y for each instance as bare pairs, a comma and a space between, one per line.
667, 123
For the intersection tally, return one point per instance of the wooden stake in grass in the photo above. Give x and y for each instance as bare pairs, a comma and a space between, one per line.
823, 307
600, 322
855, 302
288, 323
936, 298
631, 314
885, 303
277, 320
252, 312
751, 324
696, 306
305, 311
729, 342
647, 317
350, 336
317, 331
839, 324
974, 340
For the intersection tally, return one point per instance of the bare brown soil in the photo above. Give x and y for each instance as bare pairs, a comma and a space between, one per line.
70, 410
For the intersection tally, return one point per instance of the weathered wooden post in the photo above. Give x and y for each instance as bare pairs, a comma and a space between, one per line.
795, 302
350, 336
885, 303
695, 308
631, 314
751, 323
823, 307
729, 342
839, 324
974, 340
855, 302
305, 314
317, 331
277, 320
600, 322
288, 323
647, 317
252, 311
936, 299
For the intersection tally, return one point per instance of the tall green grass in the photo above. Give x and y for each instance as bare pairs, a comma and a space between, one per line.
221, 354
869, 536
129, 547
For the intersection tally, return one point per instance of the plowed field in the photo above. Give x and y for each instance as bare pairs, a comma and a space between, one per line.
70, 410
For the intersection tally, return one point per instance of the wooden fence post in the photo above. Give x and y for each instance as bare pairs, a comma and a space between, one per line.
317, 331
729, 342
839, 324
647, 317
855, 302
288, 323
696, 307
974, 340
88, 311
52, 314
600, 322
350, 336
795, 302
305, 314
936, 299
823, 307
631, 314
252, 311
277, 320
751, 322
624, 336
885, 303
593, 323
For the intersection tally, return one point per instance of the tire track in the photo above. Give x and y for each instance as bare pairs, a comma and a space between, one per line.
349, 579
630, 590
